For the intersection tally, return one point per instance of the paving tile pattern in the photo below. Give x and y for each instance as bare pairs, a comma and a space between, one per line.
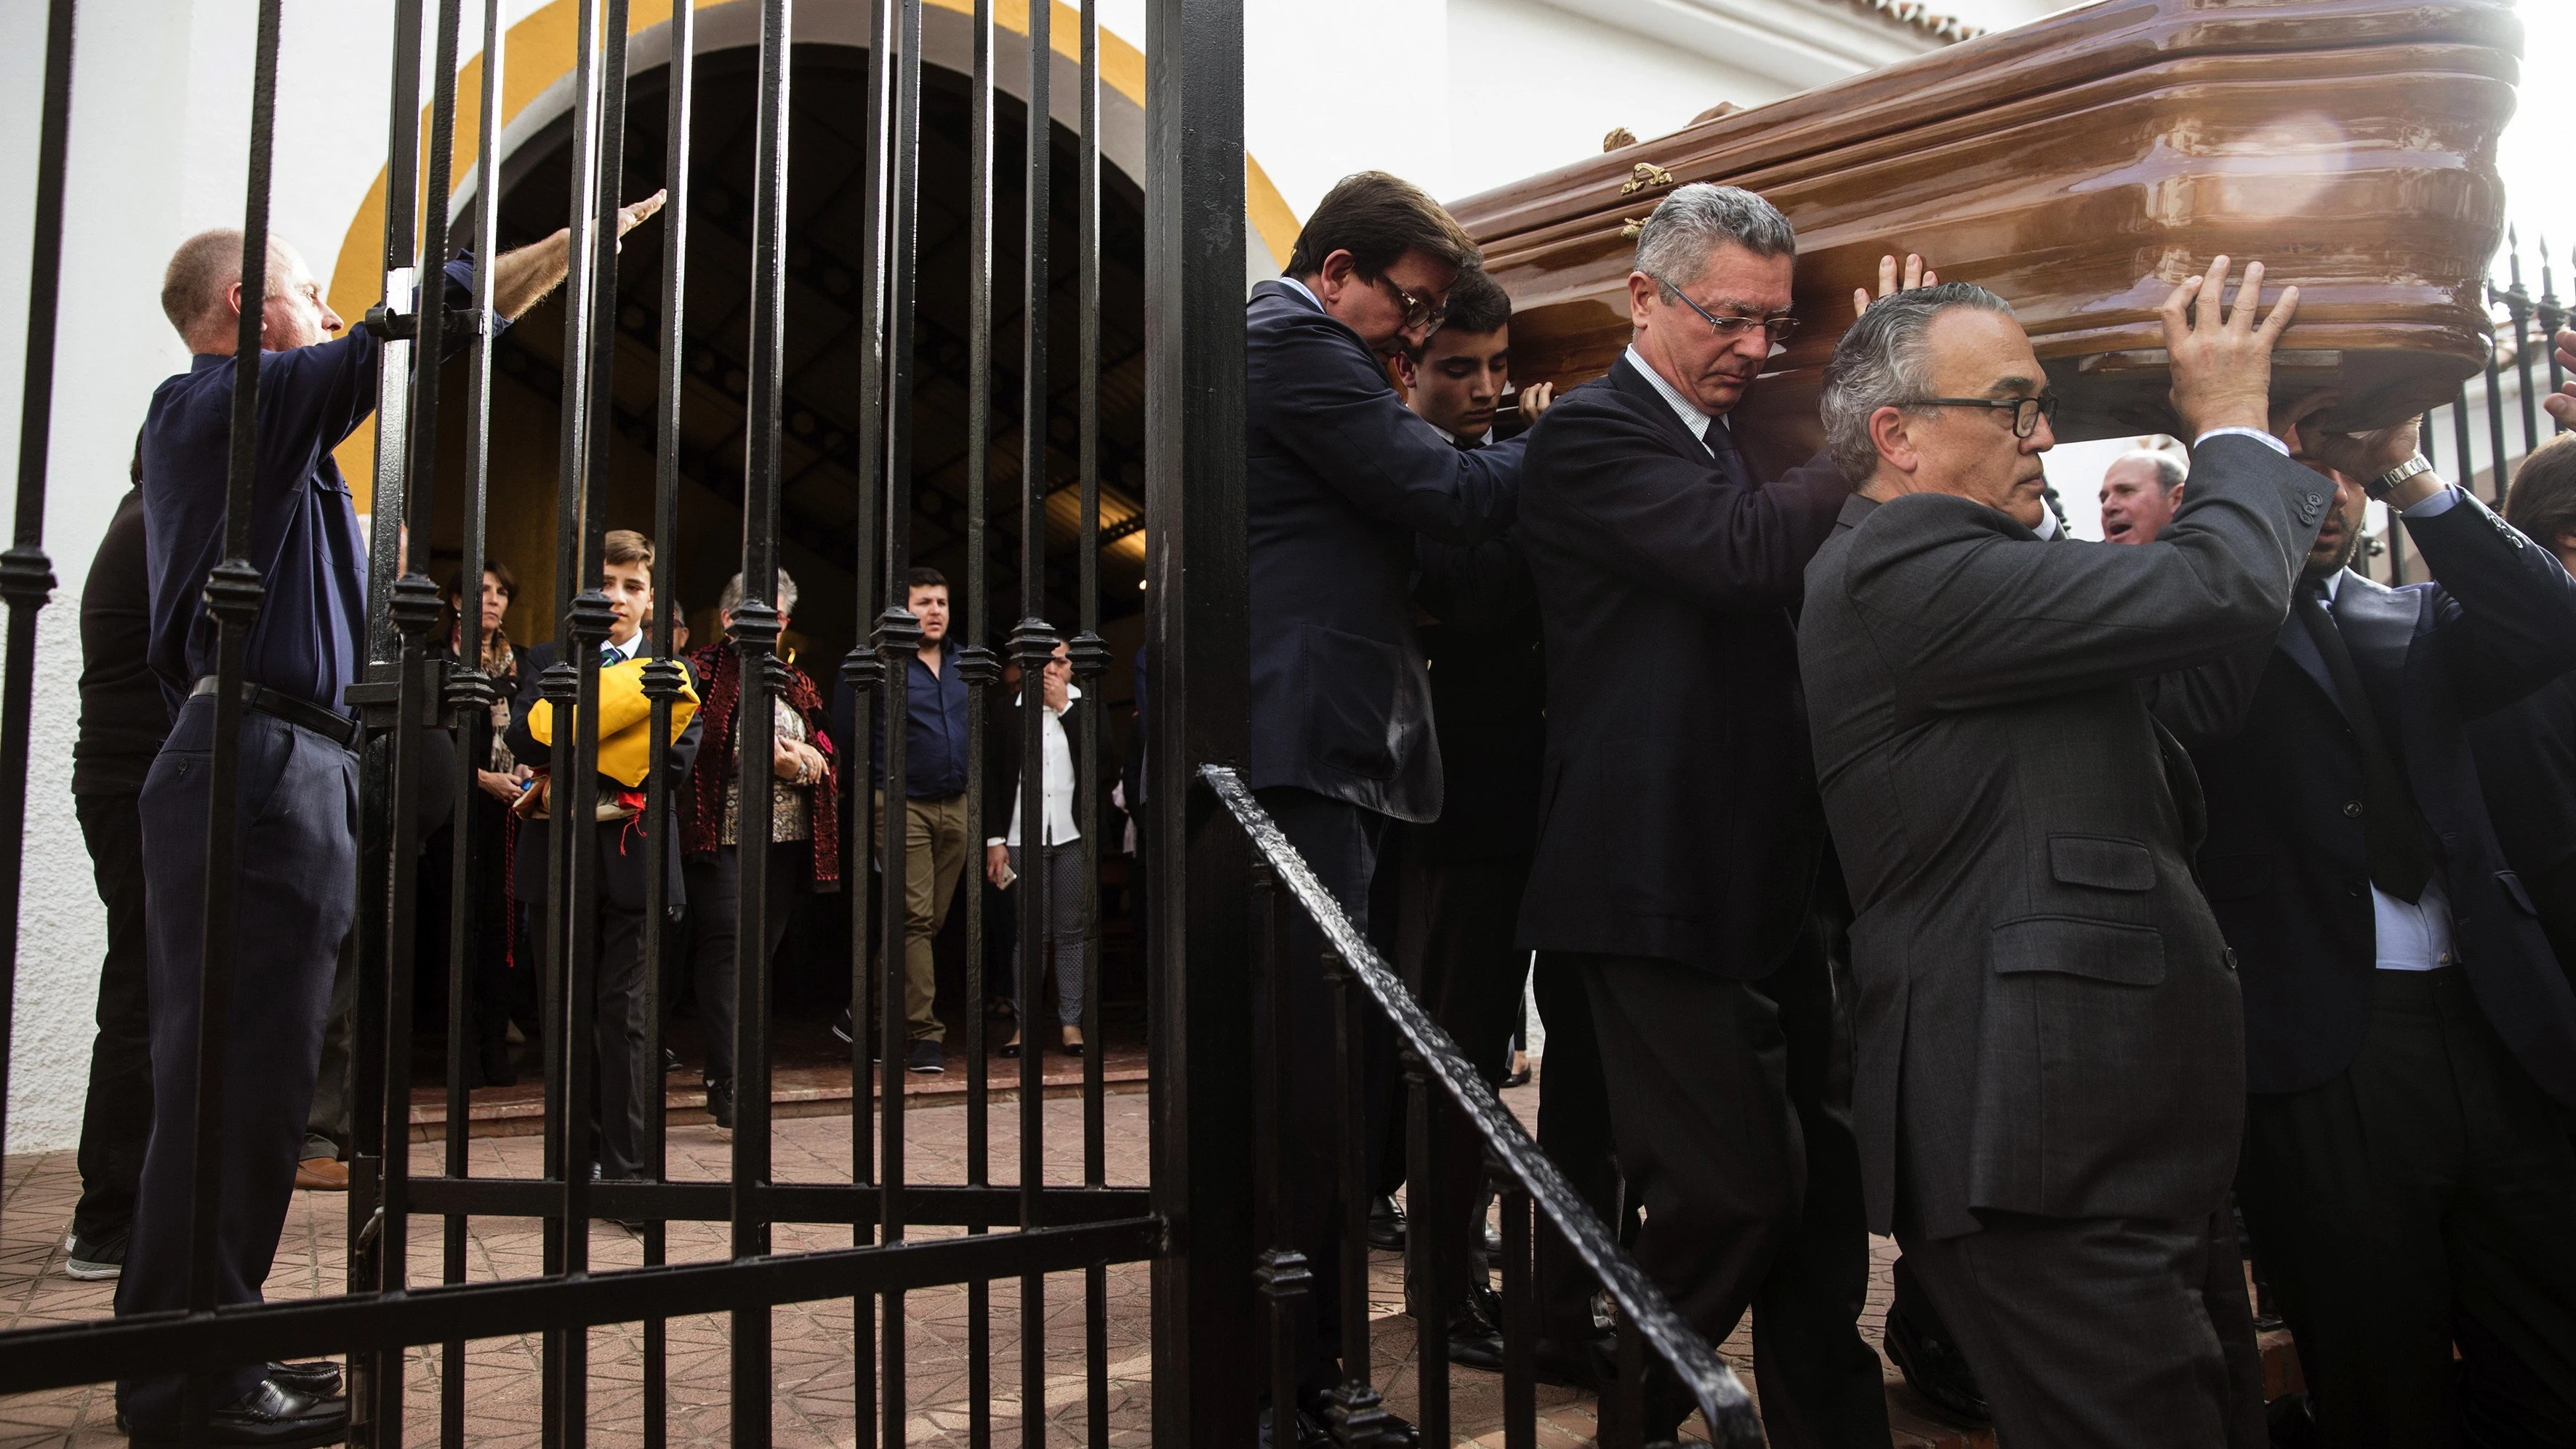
814, 1372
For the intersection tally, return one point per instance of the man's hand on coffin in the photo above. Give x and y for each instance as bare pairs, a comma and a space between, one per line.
1916, 275
1536, 399
2364, 456
2562, 403
2222, 364
2289, 422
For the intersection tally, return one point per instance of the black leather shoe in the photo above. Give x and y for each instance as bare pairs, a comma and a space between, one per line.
720, 1102
269, 1416
498, 1069
1574, 1363
671, 1060
1386, 1226
317, 1378
1474, 1339
1935, 1368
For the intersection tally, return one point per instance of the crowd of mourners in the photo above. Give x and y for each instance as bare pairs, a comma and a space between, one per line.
2113, 924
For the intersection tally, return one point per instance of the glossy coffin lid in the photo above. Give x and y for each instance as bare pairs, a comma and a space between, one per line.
2080, 166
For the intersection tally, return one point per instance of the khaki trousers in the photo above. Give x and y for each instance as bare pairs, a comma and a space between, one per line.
934, 854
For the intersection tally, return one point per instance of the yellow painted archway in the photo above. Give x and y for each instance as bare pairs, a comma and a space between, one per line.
539, 51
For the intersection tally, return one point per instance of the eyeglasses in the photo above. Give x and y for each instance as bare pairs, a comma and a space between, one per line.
1419, 310
2026, 411
1775, 329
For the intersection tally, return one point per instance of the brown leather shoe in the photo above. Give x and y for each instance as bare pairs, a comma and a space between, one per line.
322, 1174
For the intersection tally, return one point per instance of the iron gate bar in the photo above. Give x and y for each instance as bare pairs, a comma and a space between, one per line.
2517, 300
946, 1205
755, 641
1090, 658
2495, 410
977, 663
864, 670
899, 639
1357, 967
471, 694
234, 592
665, 676
1198, 642
2552, 317
42, 1358
26, 574
1032, 644
2468, 474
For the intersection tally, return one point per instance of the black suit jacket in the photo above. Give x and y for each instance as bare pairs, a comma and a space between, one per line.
2527, 762
1489, 700
1678, 811
1342, 477
620, 843
2284, 866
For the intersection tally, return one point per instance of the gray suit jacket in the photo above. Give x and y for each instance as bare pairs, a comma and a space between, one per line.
2048, 1018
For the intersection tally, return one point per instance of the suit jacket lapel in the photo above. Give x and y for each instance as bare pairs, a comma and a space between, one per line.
1625, 377
2294, 641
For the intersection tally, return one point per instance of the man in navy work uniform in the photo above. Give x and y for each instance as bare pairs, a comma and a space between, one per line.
1343, 478
294, 890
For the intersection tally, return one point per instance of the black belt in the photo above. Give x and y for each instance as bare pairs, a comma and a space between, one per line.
301, 713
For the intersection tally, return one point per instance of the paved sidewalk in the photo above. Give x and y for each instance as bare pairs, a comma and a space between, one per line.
814, 1372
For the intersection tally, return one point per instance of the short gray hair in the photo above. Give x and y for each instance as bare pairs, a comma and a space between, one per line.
2169, 468
1885, 361
1674, 244
731, 598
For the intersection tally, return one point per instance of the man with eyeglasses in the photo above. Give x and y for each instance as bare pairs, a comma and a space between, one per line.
1673, 892
1343, 478
2051, 1050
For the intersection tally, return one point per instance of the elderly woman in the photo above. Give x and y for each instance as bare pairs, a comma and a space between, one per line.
804, 829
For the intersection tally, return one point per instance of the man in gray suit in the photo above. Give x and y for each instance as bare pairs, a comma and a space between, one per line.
2051, 1062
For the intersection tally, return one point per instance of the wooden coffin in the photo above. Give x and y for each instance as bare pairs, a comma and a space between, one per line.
2080, 166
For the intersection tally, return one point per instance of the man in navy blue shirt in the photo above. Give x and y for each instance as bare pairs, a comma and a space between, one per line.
294, 888
934, 788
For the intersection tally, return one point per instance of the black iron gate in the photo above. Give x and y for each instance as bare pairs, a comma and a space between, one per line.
1195, 1222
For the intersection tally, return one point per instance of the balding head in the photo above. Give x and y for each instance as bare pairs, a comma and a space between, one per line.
2140, 491
201, 295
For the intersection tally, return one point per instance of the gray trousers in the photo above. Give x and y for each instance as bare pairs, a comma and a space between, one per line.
2114, 1333
1063, 928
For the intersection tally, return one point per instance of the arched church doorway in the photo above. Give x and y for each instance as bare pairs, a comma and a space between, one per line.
823, 471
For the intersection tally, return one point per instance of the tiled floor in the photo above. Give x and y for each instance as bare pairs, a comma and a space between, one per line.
813, 1372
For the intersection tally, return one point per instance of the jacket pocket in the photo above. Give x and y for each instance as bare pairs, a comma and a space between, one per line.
1355, 702
2072, 946
2105, 862
2234, 877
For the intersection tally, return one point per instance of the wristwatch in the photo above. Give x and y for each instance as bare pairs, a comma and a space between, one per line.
2379, 487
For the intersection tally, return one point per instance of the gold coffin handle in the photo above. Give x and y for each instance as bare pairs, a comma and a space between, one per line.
1643, 175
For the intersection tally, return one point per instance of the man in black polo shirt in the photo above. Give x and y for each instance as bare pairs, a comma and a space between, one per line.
295, 863
122, 722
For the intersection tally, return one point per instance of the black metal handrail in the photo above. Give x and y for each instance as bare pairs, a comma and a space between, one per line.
1520, 1168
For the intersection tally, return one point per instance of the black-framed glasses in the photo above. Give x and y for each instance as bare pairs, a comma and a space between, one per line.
1419, 310
1775, 329
2026, 411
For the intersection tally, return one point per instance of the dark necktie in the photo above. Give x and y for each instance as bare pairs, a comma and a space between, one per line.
2392, 833
1721, 441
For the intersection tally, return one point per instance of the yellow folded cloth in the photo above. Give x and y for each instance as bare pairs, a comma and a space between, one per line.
625, 721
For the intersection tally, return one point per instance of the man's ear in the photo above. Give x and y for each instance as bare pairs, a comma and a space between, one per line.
1402, 362
1888, 429
1641, 290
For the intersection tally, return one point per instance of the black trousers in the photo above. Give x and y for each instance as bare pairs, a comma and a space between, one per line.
2423, 1198
1730, 1103
116, 1120
715, 916
1454, 933
1339, 843
1574, 1130
295, 893
2115, 1333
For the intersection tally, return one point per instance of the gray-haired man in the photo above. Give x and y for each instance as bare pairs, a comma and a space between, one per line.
2140, 491
1674, 896
2051, 1064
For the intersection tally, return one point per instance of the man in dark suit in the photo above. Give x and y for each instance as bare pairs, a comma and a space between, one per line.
1343, 477
2407, 1174
2527, 751
2048, 1097
1679, 833
622, 1071
1459, 882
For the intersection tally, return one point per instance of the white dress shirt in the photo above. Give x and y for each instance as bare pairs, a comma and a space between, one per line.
1305, 291
623, 651
1057, 783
